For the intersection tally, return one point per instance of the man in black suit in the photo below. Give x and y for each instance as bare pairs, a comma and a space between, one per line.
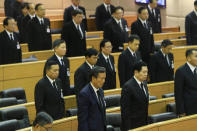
103, 14
135, 99
106, 60
8, 7
81, 76
91, 104
116, 30
73, 33
10, 50
68, 13
59, 47
162, 63
39, 32
143, 28
25, 20
127, 59
154, 16
191, 26
16, 8
48, 93
185, 85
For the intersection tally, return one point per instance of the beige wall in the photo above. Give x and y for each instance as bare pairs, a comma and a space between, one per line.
173, 15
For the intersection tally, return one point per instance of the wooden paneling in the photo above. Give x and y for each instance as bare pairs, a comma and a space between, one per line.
40, 55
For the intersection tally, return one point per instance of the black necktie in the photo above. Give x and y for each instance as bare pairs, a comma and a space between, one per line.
62, 62
42, 22
153, 12
109, 63
100, 100
54, 85
108, 9
145, 25
135, 57
167, 60
79, 31
11, 37
119, 23
195, 72
142, 87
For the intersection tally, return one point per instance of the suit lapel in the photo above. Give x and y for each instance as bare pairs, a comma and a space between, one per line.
189, 72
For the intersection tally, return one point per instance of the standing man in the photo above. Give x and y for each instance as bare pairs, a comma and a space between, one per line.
59, 47
10, 50
48, 93
135, 99
154, 16
191, 26
127, 59
106, 60
185, 85
75, 6
143, 28
91, 105
16, 8
8, 7
116, 30
81, 76
162, 63
39, 32
73, 33
103, 14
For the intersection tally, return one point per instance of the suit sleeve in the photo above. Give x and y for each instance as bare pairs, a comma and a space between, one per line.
83, 104
30, 35
178, 90
98, 24
107, 32
188, 29
153, 69
121, 70
65, 16
134, 29
39, 95
160, 26
85, 20
78, 81
68, 80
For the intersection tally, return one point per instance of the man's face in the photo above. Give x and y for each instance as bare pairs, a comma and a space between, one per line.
107, 2
107, 49
118, 14
154, 4
41, 11
11, 25
32, 9
25, 11
135, 45
195, 7
61, 49
53, 72
192, 59
143, 74
76, 2
167, 49
99, 81
78, 18
92, 60
144, 14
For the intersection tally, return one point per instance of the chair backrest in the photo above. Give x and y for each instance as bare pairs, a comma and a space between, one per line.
30, 59
19, 93
9, 125
18, 113
112, 100
71, 112
113, 119
171, 107
8, 101
168, 95
162, 117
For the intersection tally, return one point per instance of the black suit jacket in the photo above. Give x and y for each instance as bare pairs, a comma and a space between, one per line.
64, 74
81, 77
134, 105
146, 39
8, 7
49, 99
75, 45
91, 115
10, 51
191, 28
20, 27
39, 36
185, 91
110, 81
155, 20
126, 62
16, 9
102, 16
68, 16
160, 70
24, 29
114, 33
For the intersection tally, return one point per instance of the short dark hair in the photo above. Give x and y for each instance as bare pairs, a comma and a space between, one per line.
189, 52
42, 118
141, 9
37, 6
76, 12
102, 44
166, 43
117, 8
138, 66
151, 1
133, 37
25, 5
58, 42
96, 70
90, 52
195, 2
5, 21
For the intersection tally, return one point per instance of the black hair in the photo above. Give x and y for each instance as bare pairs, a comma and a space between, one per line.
141, 9
58, 42
102, 44
166, 43
190, 51
48, 65
195, 3
138, 66
117, 8
25, 5
96, 70
5, 21
42, 118
133, 37
76, 12
90, 52
37, 6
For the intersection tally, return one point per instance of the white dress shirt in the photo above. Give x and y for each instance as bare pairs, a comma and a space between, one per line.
192, 68
78, 25
139, 83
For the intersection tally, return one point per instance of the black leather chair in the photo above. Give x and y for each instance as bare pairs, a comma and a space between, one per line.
152, 98
7, 101
114, 119
18, 113
19, 93
9, 125
171, 107
112, 101
168, 95
161, 117
71, 112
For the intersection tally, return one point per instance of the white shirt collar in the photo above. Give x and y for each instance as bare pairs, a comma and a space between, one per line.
51, 81
106, 5
91, 66
75, 7
106, 57
143, 21
76, 24
132, 52
9, 33
117, 21
195, 12
163, 53
59, 58
32, 16
95, 89
192, 68
139, 83
40, 19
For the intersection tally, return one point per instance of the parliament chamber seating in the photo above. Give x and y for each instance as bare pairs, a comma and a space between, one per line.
9, 125
8, 101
